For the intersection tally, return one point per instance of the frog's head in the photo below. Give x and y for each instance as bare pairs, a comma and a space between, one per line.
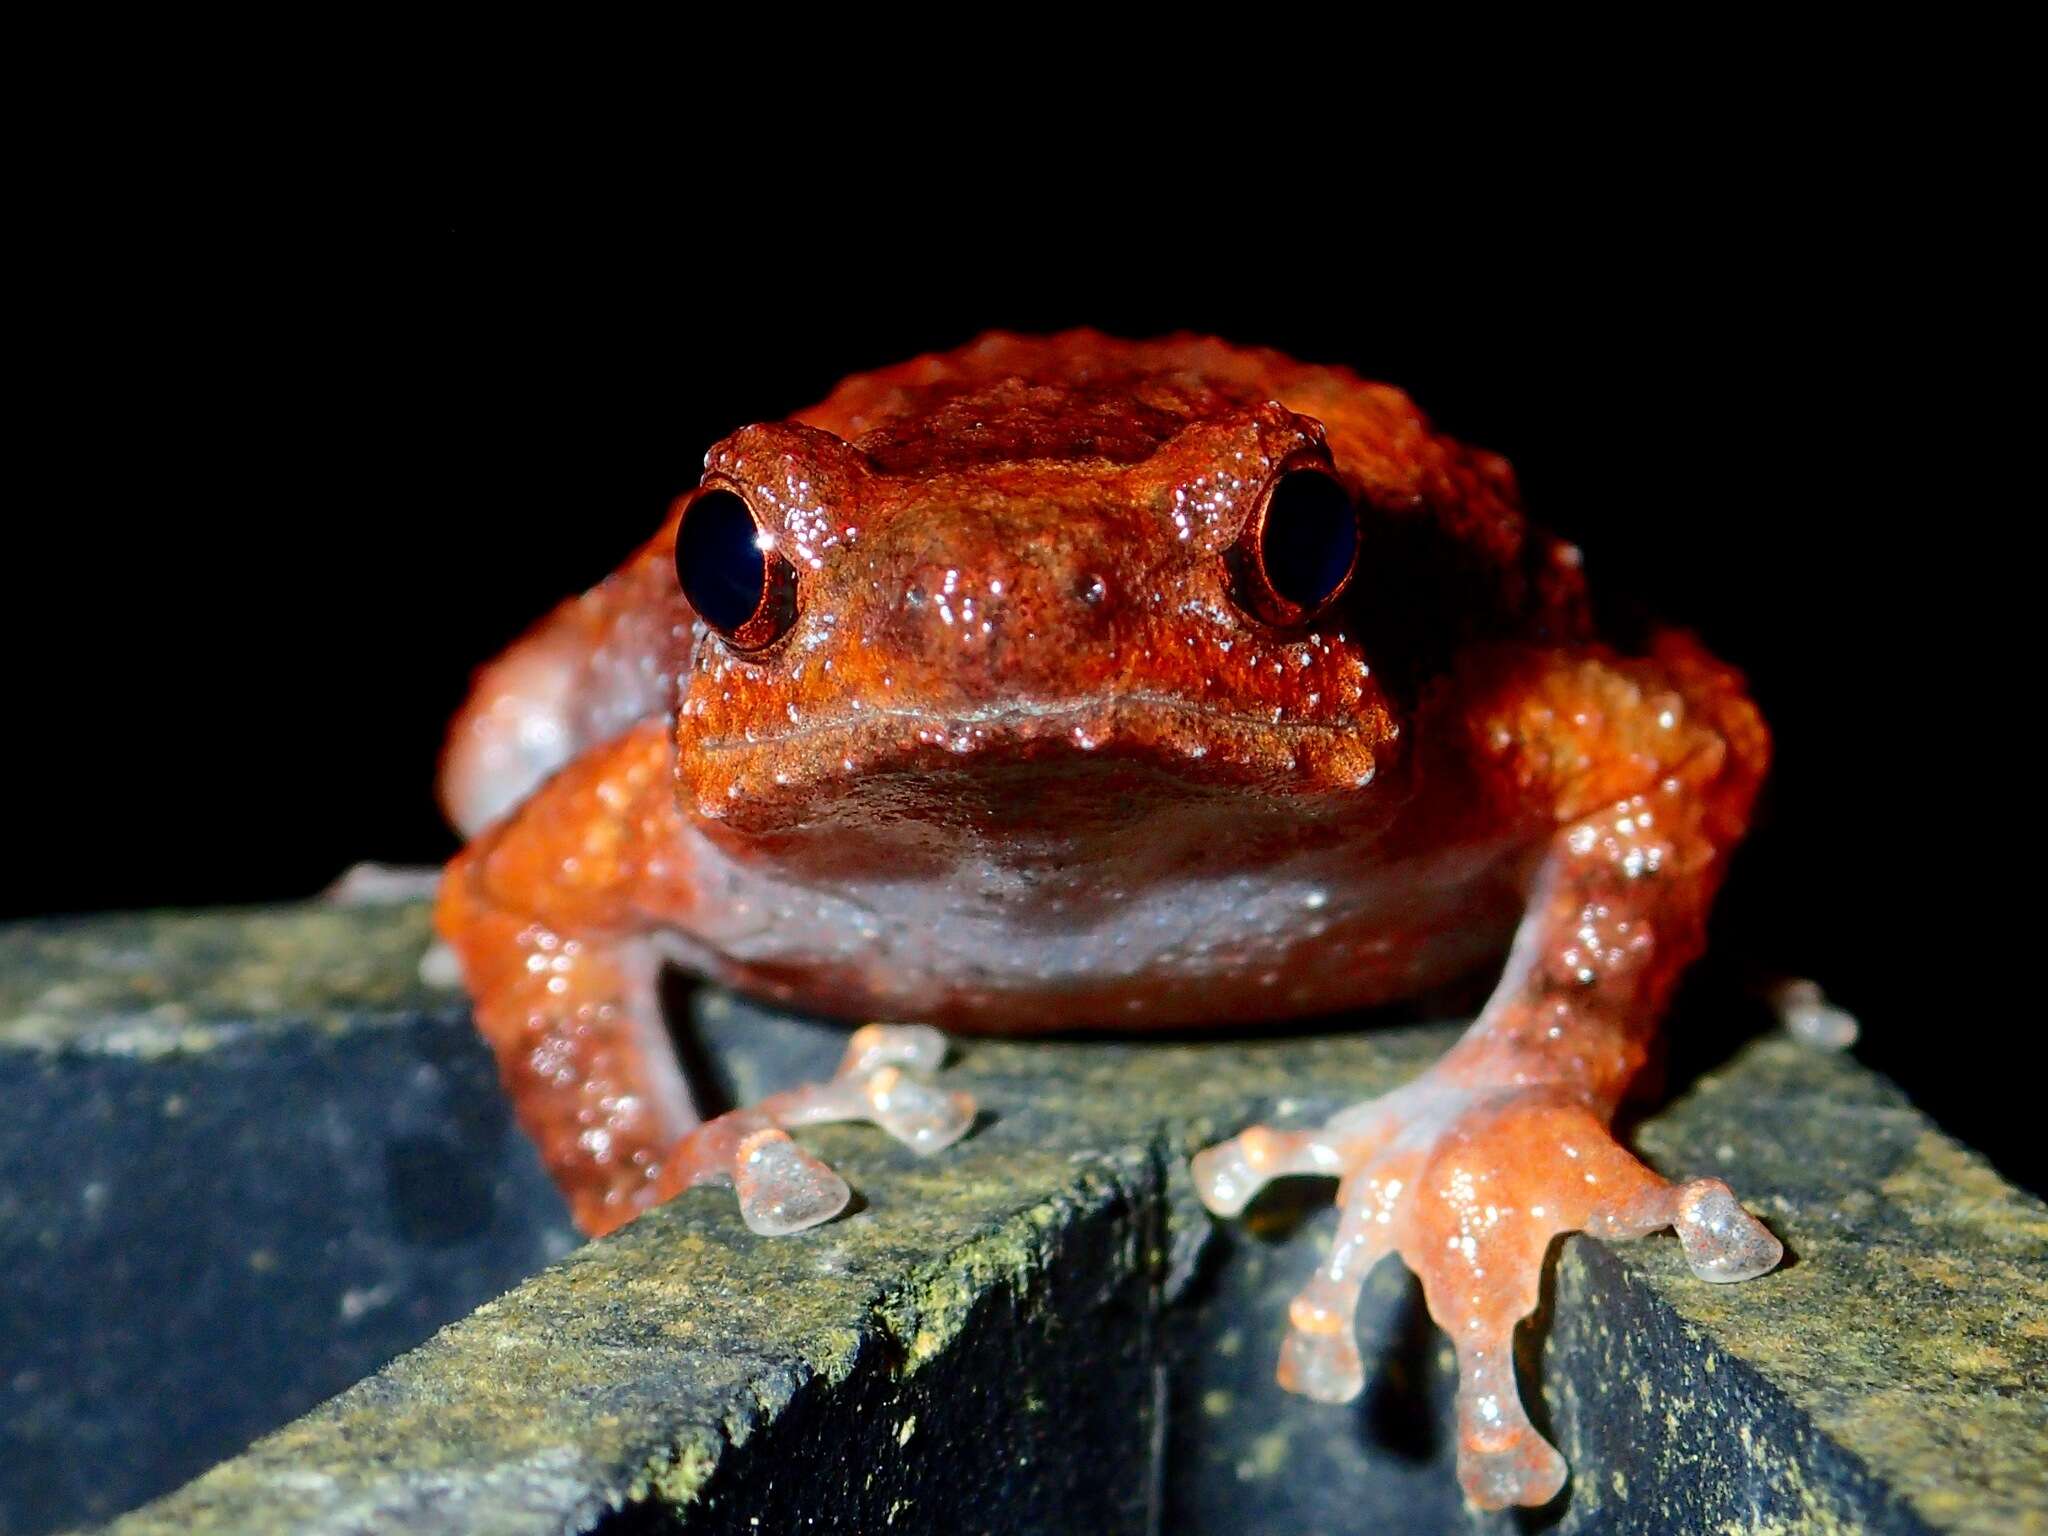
1023, 606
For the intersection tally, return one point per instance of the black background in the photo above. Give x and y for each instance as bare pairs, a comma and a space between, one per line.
310, 471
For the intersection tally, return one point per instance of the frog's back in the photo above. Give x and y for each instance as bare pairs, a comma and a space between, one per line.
1082, 394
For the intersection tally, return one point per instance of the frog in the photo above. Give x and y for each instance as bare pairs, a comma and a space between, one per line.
1055, 683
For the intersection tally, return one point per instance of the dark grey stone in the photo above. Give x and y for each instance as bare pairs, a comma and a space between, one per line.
1038, 1329
217, 1210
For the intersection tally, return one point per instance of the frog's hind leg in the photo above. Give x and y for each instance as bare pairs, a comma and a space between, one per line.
781, 1187
1470, 1188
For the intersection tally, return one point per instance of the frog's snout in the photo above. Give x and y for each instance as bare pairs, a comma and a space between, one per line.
1016, 605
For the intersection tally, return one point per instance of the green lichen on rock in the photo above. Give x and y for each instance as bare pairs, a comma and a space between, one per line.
1909, 1330
151, 983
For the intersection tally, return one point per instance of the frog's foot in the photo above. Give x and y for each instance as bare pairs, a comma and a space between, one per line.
1469, 1185
781, 1187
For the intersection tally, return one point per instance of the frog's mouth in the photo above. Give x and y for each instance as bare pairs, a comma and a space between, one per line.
1022, 765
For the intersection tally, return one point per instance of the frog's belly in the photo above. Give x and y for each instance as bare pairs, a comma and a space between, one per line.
1315, 936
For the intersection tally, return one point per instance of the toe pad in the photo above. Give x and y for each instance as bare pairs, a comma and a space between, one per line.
782, 1188
1722, 1241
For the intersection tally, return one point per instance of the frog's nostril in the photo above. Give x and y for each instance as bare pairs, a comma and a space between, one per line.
1091, 589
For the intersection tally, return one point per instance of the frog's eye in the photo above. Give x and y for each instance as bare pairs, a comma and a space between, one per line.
1298, 551
731, 573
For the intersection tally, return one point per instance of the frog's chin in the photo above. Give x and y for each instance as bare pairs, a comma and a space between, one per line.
1024, 766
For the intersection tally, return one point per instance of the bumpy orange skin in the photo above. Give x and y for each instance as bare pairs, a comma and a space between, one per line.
1024, 762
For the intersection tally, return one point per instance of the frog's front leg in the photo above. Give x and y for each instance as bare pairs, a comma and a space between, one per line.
552, 914
1470, 1171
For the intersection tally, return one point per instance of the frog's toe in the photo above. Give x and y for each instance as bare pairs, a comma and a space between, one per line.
1517, 1466
917, 1047
925, 1119
1323, 1367
383, 885
1722, 1241
1502, 1459
1320, 1358
876, 1082
1230, 1173
782, 1188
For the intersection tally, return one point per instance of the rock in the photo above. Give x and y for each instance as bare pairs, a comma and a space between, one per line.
245, 1159
1037, 1330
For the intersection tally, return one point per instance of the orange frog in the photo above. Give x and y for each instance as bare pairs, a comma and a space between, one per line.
1074, 682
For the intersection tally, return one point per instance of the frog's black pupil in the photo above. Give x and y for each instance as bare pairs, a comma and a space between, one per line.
1310, 538
723, 568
